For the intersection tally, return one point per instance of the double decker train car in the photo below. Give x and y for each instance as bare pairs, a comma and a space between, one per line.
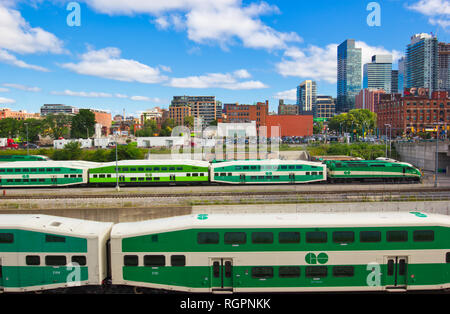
284, 252
371, 170
45, 174
270, 171
217, 253
40, 252
150, 172
10, 158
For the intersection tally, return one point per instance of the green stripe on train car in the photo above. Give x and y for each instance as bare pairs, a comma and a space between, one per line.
38, 242
30, 276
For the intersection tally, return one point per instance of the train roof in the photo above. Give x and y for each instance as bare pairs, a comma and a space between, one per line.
55, 225
306, 220
150, 162
51, 163
267, 162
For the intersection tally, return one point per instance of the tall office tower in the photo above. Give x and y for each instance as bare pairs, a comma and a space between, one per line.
306, 95
422, 62
394, 82
348, 75
444, 73
378, 74
401, 74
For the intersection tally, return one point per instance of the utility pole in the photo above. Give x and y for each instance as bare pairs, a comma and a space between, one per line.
117, 168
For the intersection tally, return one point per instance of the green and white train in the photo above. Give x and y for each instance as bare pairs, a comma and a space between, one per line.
190, 172
385, 251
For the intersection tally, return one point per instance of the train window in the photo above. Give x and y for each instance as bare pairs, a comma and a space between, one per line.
55, 260
179, 168
33, 180
130, 260
262, 272
261, 177
9, 170
33, 260
41, 169
41, 180
423, 235
156, 179
2, 170
66, 176
246, 167
148, 169
262, 237
314, 173
26, 170
140, 169
163, 169
188, 174
33, 170
133, 179
17, 180
397, 236
375, 165
289, 272
49, 169
298, 167
343, 271
253, 178
154, 260
235, 238
52, 238
123, 169
148, 179
141, 179
172, 168
156, 169
9, 180
238, 168
178, 260
253, 167
316, 271
447, 257
56, 169
208, 238
316, 237
26, 180
370, 236
132, 169
308, 173
108, 175
321, 173
289, 237
74, 176
284, 167
195, 174
230, 174
223, 174
80, 260
6, 238
343, 237
17, 170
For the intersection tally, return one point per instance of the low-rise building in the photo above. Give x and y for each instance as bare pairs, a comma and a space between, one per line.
17, 115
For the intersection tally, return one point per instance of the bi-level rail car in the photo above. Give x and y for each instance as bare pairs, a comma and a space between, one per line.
39, 252
9, 158
269, 171
284, 252
150, 172
44, 174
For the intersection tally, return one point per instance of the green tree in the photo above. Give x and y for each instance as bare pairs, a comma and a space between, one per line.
189, 122
357, 121
150, 128
9, 128
83, 124
57, 126
71, 151
318, 128
35, 128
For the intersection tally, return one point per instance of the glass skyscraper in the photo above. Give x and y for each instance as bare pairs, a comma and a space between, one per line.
348, 75
378, 74
422, 62
306, 95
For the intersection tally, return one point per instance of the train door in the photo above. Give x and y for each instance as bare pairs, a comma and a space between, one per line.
222, 275
242, 178
292, 177
396, 272
54, 180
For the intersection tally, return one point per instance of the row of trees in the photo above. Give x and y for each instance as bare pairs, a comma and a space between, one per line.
359, 121
55, 126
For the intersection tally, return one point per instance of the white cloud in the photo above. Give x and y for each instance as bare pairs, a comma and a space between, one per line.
10, 59
438, 11
320, 64
3, 90
206, 21
6, 100
18, 36
23, 87
106, 63
218, 80
68, 92
290, 94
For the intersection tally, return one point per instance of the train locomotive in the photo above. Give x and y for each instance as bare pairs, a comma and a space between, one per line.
217, 253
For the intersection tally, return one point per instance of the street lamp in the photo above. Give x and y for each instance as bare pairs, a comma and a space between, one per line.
117, 169
28, 146
390, 134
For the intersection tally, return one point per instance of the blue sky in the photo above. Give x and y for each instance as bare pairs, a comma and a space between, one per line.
136, 55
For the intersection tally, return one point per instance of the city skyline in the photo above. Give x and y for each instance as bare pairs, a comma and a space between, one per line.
138, 55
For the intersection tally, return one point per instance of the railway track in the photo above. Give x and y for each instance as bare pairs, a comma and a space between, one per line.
359, 193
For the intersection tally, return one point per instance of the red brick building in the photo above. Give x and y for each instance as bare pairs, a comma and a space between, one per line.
411, 114
236, 113
290, 125
368, 98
